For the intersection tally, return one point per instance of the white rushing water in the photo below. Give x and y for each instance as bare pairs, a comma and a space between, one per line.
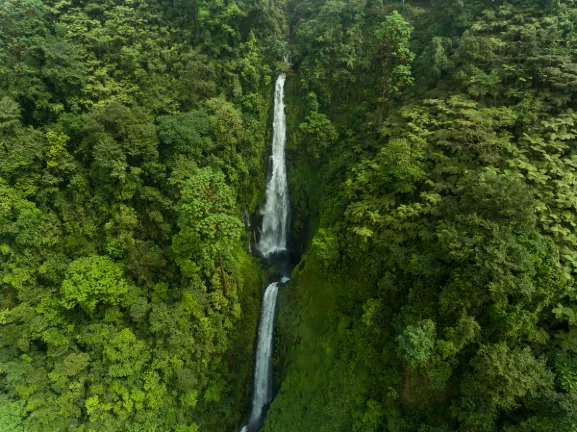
262, 370
272, 239
275, 212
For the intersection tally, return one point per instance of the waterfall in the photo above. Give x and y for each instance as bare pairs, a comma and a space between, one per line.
263, 371
272, 240
275, 212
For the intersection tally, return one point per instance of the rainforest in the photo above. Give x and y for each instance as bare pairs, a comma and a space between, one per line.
427, 154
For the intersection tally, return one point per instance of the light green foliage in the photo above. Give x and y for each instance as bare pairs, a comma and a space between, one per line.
126, 355
93, 280
394, 34
417, 342
207, 220
325, 245
55, 148
10, 416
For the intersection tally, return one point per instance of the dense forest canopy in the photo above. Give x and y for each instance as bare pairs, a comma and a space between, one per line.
131, 143
432, 151
434, 156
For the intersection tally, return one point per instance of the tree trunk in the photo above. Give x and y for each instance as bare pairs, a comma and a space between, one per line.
222, 272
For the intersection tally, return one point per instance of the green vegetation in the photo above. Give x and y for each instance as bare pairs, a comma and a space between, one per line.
132, 138
432, 162
437, 292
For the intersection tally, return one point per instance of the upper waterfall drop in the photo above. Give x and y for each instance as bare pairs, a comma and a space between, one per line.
273, 236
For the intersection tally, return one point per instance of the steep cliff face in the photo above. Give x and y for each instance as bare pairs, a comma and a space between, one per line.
324, 357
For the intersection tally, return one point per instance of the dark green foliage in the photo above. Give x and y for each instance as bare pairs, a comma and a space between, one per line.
437, 292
